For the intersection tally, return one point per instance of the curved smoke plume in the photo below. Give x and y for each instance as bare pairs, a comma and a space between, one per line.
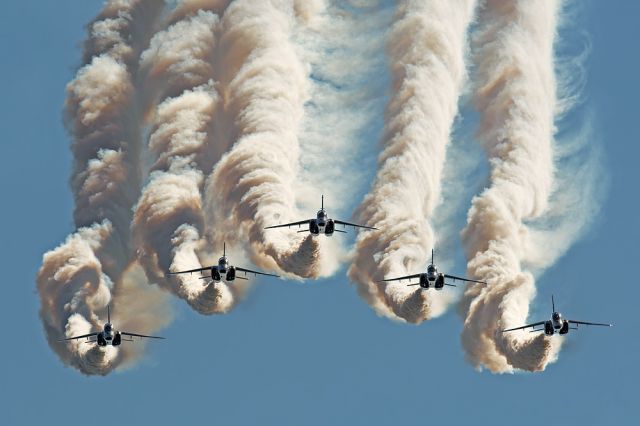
335, 37
426, 48
265, 87
77, 279
168, 223
516, 98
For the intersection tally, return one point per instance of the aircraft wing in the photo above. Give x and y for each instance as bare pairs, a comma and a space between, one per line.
589, 323
453, 277
206, 268
140, 335
78, 337
525, 326
302, 222
340, 222
254, 272
406, 277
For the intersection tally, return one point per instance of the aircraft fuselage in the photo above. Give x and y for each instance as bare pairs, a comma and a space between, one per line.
108, 336
432, 278
223, 268
321, 224
556, 325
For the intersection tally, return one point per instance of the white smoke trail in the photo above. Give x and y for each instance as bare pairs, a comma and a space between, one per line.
580, 180
168, 223
426, 48
265, 87
77, 279
516, 98
337, 39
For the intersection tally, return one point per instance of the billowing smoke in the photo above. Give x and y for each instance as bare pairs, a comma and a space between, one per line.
516, 97
252, 108
77, 279
340, 36
169, 222
426, 49
265, 87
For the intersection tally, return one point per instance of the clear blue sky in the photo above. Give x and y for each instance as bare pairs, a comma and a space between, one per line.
314, 353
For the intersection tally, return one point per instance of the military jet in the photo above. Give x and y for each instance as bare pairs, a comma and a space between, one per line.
321, 224
557, 323
109, 335
432, 278
223, 268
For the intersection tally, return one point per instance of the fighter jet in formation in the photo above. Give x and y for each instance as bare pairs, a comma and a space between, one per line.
109, 335
321, 224
556, 324
223, 268
432, 278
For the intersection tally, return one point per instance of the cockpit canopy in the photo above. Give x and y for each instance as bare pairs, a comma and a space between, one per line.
322, 214
223, 261
108, 327
556, 316
431, 269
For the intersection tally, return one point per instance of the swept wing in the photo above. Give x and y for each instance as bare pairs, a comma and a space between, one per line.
453, 277
340, 222
126, 333
246, 271
78, 337
206, 268
590, 323
524, 326
300, 223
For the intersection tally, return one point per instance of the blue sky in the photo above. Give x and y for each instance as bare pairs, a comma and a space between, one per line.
311, 353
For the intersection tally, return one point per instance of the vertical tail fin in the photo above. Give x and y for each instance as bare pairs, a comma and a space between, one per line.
108, 314
322, 202
224, 249
432, 256
553, 304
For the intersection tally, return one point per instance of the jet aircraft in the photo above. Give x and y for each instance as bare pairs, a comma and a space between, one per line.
556, 324
432, 278
109, 335
321, 224
223, 268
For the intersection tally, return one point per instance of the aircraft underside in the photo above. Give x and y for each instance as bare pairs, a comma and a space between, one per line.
438, 283
550, 330
328, 228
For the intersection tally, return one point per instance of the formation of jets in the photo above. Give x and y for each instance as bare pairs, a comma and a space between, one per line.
322, 224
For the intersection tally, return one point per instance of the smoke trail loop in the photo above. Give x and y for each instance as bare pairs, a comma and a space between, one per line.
426, 48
